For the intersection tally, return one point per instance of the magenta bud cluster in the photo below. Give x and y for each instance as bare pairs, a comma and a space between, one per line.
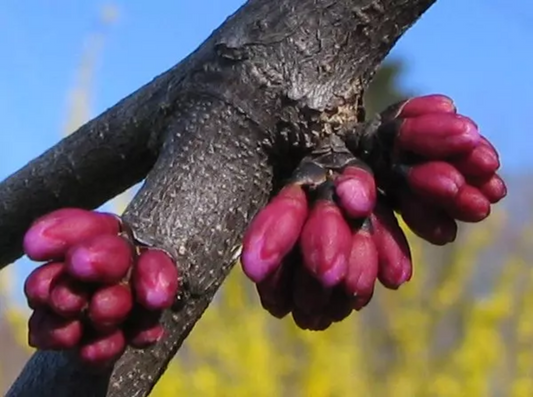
455, 177
319, 256
320, 260
96, 292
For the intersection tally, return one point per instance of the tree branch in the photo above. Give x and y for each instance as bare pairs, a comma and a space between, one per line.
278, 75
97, 162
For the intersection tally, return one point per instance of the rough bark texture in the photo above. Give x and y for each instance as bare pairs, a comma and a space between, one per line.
213, 133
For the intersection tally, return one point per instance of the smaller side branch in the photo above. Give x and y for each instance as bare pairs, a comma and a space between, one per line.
97, 162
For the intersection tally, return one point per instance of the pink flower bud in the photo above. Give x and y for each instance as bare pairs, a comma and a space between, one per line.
68, 297
470, 205
356, 191
37, 284
339, 306
395, 267
438, 135
155, 280
488, 144
493, 188
143, 328
103, 350
275, 291
53, 234
325, 243
362, 266
359, 302
273, 233
436, 181
104, 259
310, 321
420, 105
146, 337
426, 221
480, 162
110, 306
309, 295
48, 331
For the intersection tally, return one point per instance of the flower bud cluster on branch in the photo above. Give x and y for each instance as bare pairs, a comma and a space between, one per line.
98, 291
318, 248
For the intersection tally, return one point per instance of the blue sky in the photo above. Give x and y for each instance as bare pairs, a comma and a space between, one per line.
476, 51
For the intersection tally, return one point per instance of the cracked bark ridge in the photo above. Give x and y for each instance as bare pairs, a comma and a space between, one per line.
277, 76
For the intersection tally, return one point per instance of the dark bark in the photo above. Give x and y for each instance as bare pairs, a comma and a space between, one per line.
276, 78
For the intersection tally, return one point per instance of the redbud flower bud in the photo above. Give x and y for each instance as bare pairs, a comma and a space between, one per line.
437, 181
48, 331
426, 221
68, 297
493, 188
103, 350
104, 259
395, 267
356, 192
109, 306
275, 291
273, 233
309, 295
310, 321
420, 105
438, 135
361, 301
50, 236
480, 162
155, 280
362, 266
339, 306
145, 337
37, 284
143, 327
470, 205
325, 243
